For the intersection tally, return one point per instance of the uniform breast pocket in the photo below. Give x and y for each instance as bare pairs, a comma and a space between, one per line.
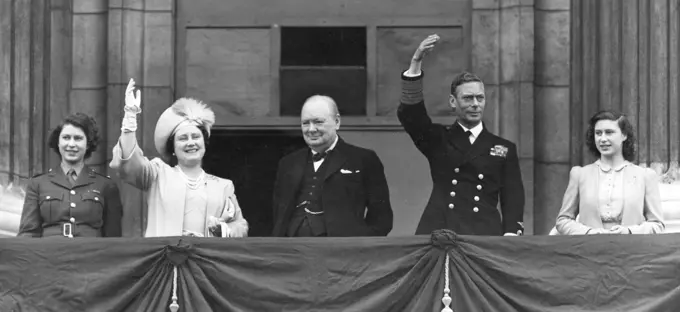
49, 205
94, 203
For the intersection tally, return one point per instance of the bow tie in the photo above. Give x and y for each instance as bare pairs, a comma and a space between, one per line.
319, 156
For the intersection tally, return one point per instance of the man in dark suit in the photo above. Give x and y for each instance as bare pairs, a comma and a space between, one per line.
471, 168
331, 188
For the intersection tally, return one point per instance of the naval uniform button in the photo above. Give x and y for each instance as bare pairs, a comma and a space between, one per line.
453, 194
451, 206
454, 182
456, 170
475, 209
96, 198
481, 176
48, 197
476, 198
73, 205
479, 187
73, 220
73, 192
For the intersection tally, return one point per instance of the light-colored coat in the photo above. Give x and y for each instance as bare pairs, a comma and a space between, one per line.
166, 196
641, 205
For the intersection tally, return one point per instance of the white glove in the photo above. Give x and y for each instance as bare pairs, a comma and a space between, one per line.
132, 107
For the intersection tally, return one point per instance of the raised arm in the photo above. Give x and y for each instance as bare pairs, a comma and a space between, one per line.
412, 113
128, 158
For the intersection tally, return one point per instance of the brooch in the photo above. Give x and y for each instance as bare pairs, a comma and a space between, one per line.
499, 150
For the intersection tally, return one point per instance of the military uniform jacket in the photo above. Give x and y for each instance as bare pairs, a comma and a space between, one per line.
468, 181
92, 205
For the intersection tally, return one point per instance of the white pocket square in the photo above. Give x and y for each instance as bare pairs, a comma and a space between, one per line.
345, 171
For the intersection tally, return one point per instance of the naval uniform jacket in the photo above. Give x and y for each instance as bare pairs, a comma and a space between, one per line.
468, 181
355, 196
92, 205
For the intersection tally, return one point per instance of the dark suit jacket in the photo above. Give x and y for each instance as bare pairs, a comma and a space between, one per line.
355, 196
94, 203
468, 182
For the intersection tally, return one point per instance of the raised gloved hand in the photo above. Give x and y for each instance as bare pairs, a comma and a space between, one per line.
132, 107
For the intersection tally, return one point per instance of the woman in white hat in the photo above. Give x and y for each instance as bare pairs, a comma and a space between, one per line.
182, 199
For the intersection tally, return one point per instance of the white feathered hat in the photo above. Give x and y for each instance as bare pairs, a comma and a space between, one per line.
185, 111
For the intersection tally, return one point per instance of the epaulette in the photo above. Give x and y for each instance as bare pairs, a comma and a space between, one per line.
100, 174
42, 173
211, 177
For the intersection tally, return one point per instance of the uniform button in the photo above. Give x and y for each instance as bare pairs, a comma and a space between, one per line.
451, 206
48, 197
73, 220
453, 194
73, 192
73, 205
310, 193
479, 187
96, 198
454, 182
476, 198
481, 176
475, 209
456, 170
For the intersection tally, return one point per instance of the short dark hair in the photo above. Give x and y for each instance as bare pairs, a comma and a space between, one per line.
463, 78
628, 147
170, 144
83, 122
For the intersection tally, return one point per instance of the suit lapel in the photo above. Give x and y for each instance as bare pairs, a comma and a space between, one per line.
292, 177
335, 159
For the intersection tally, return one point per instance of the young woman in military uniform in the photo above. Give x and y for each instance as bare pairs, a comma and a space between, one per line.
72, 199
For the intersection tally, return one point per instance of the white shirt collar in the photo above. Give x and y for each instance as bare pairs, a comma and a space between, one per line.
476, 130
330, 148
607, 168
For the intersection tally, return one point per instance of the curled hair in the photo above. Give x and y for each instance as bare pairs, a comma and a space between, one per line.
463, 78
83, 122
170, 144
628, 146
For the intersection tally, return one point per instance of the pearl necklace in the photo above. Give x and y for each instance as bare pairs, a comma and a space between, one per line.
193, 183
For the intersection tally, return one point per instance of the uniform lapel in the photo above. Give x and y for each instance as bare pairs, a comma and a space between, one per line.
59, 178
86, 177
335, 159
482, 145
458, 138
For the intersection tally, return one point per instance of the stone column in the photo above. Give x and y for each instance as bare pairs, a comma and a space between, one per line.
552, 110
503, 56
88, 69
24, 33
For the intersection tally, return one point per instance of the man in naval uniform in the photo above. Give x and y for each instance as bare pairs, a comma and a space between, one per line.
331, 188
472, 169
